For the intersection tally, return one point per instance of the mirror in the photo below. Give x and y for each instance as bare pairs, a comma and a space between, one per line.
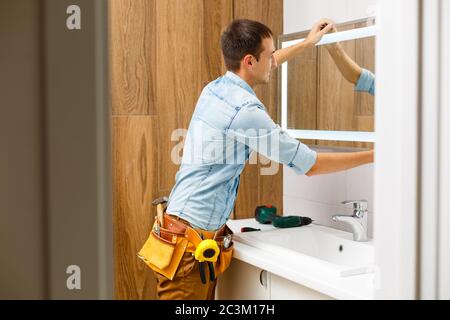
318, 105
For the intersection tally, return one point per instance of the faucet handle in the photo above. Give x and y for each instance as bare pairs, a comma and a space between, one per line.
359, 206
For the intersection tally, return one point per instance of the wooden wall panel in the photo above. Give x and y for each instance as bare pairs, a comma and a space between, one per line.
270, 186
256, 189
133, 53
217, 14
269, 12
135, 185
179, 68
248, 194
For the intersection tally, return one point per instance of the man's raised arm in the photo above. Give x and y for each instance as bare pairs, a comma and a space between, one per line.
318, 30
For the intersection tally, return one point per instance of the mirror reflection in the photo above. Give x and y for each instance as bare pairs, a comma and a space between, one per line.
324, 91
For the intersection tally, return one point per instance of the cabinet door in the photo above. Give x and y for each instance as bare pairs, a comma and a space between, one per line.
243, 281
283, 289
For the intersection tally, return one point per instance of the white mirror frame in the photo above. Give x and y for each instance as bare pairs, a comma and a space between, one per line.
360, 136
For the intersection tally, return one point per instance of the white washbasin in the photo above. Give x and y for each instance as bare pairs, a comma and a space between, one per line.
315, 247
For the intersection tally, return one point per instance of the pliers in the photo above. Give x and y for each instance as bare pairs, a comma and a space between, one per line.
212, 275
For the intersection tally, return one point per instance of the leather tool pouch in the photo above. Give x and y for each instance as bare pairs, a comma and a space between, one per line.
163, 252
225, 255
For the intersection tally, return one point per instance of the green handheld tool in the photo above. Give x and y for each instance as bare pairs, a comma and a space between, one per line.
291, 221
268, 214
265, 214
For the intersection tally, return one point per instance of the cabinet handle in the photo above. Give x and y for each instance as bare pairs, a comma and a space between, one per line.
263, 272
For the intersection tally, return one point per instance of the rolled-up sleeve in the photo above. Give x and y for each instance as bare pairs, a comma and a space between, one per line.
253, 126
366, 82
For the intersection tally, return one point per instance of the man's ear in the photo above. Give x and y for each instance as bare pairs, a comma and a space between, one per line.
248, 61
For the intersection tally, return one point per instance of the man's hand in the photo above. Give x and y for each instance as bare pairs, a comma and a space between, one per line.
333, 29
318, 30
314, 36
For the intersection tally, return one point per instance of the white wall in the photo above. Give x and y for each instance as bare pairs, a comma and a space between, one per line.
319, 197
300, 15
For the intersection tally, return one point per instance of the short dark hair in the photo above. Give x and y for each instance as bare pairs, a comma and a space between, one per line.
240, 38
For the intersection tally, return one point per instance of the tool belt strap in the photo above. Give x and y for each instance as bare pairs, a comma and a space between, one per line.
182, 229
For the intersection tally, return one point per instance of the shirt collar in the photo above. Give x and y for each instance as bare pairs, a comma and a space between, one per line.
234, 78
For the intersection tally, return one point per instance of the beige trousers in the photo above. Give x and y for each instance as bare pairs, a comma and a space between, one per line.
186, 285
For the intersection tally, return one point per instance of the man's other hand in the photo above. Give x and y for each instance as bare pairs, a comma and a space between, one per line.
318, 30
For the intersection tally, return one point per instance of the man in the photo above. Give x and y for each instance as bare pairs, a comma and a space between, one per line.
363, 79
229, 122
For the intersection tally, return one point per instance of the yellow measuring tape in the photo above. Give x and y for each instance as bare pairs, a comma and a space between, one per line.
207, 250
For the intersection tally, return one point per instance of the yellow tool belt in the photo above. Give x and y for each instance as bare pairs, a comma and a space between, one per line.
168, 241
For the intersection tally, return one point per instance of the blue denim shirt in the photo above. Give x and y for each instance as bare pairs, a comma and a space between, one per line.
228, 124
366, 82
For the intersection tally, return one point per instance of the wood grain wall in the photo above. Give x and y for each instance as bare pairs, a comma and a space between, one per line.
256, 188
162, 53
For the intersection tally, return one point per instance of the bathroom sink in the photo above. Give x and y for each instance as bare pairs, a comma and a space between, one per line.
321, 248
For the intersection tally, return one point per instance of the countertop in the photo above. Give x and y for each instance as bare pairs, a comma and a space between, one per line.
353, 287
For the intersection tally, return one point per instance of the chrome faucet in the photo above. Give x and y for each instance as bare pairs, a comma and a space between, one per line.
357, 221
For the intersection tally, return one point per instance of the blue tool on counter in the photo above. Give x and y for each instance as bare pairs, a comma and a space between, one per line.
268, 214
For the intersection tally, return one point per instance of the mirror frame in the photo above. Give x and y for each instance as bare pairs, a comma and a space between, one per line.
286, 40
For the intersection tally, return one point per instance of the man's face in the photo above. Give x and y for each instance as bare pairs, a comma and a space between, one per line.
261, 69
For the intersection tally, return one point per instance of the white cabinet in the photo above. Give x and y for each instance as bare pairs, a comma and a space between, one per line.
283, 289
243, 281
